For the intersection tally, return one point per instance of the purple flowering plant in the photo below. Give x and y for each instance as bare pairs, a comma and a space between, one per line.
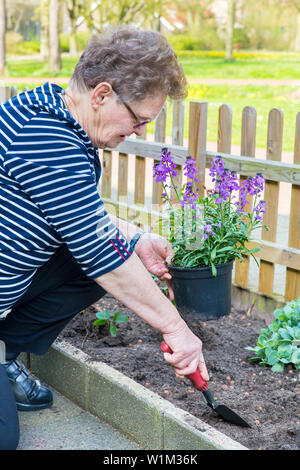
213, 229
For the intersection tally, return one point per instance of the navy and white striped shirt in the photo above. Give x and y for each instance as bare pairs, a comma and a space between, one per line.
49, 171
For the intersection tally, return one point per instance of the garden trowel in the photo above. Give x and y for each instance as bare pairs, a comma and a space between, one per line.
200, 384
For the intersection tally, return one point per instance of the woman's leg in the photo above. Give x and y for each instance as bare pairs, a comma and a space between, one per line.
57, 293
9, 421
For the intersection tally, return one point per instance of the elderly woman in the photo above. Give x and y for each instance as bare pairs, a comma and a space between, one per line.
60, 251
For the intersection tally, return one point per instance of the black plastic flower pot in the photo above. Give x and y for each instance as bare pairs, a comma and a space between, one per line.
200, 294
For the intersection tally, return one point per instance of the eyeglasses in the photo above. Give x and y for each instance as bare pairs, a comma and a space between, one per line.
140, 124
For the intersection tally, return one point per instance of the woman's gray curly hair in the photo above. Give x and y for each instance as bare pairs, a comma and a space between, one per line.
136, 63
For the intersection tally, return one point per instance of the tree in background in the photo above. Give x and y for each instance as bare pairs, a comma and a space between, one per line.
231, 10
296, 5
75, 9
54, 46
110, 12
269, 24
44, 35
2, 35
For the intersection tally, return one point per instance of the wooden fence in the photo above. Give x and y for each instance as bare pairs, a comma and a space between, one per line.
141, 204
273, 169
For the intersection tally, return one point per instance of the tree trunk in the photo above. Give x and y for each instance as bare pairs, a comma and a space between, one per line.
230, 25
55, 57
2, 36
297, 42
44, 38
73, 45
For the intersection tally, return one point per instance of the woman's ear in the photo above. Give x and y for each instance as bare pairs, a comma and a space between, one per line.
99, 93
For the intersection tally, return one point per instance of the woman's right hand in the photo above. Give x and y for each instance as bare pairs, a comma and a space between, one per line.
187, 355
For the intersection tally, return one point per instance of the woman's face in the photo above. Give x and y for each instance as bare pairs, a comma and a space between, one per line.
111, 121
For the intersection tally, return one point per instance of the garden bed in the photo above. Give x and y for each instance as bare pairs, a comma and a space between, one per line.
268, 401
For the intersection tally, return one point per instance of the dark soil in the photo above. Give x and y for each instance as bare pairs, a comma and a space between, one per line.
268, 401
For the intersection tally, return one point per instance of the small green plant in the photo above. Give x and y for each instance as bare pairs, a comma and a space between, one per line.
105, 317
279, 344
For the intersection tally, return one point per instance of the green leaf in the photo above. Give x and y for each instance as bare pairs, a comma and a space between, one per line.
297, 333
279, 367
226, 248
296, 356
272, 357
284, 346
121, 319
284, 334
103, 315
213, 269
249, 348
254, 250
113, 329
292, 331
100, 322
116, 315
262, 340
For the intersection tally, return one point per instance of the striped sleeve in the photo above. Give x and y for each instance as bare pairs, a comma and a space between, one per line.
55, 172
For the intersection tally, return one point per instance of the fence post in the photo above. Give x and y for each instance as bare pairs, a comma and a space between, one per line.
157, 188
271, 195
177, 139
197, 139
247, 150
224, 129
292, 285
4, 93
123, 184
159, 136
106, 174
13, 91
140, 175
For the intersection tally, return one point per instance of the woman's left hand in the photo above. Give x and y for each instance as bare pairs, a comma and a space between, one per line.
154, 251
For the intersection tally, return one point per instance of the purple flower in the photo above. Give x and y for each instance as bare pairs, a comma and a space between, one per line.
252, 186
165, 167
190, 169
189, 197
231, 181
208, 231
217, 168
256, 184
221, 191
226, 181
259, 209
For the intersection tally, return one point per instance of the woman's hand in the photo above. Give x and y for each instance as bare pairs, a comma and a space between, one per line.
186, 356
155, 251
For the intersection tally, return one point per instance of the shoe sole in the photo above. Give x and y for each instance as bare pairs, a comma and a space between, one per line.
25, 407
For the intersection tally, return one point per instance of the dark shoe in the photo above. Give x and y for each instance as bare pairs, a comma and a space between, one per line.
30, 395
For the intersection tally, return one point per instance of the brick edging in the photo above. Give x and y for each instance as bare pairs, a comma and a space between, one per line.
142, 415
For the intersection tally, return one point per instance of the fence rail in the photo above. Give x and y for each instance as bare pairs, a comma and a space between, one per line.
132, 162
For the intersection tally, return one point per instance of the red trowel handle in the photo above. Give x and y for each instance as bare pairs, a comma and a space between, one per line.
196, 379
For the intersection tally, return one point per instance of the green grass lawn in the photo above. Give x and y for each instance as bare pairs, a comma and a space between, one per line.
278, 66
262, 98
196, 64
213, 65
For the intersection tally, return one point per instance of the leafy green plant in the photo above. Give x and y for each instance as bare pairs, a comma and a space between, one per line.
104, 318
279, 344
